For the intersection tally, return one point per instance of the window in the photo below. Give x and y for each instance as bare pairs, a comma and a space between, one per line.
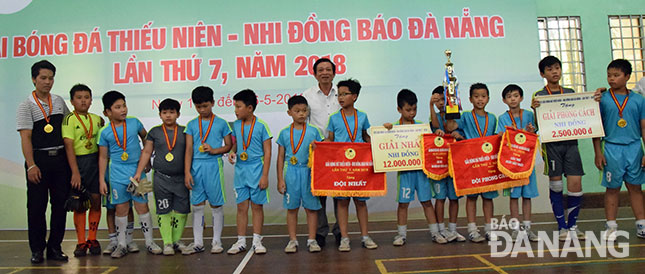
561, 37
626, 32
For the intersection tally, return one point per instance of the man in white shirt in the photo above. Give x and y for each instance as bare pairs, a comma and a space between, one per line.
640, 86
323, 101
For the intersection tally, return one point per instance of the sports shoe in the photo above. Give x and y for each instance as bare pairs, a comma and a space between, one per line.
178, 246
344, 245
369, 243
258, 248
216, 248
460, 238
153, 248
399, 240
640, 231
490, 236
532, 236
291, 247
168, 250
237, 247
81, 250
133, 247
110, 247
563, 234
609, 234
119, 252
514, 235
314, 247
579, 234
448, 235
192, 248
438, 238
95, 247
475, 237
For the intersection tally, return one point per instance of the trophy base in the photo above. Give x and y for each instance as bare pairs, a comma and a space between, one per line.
453, 116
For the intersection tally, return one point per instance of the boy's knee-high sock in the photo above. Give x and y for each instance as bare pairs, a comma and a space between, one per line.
93, 220
573, 207
165, 228
198, 225
555, 195
218, 224
79, 224
121, 223
179, 222
146, 227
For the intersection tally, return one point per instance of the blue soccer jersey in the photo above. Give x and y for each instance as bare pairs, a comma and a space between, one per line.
312, 134
215, 138
469, 129
356, 123
633, 113
261, 133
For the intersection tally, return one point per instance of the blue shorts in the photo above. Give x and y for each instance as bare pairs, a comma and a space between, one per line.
485, 195
623, 164
409, 182
444, 188
119, 184
208, 177
247, 182
527, 191
298, 181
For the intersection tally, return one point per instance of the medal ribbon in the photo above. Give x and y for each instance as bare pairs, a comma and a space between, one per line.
116, 137
49, 101
174, 138
302, 137
549, 90
351, 136
208, 131
513, 119
622, 106
88, 134
477, 124
248, 139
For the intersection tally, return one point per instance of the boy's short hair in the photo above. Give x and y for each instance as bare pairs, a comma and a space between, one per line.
296, 100
43, 64
479, 86
169, 104
353, 85
322, 60
438, 90
622, 65
110, 97
247, 97
547, 62
406, 96
202, 94
512, 87
77, 88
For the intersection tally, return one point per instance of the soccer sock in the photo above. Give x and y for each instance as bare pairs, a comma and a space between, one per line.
165, 228
403, 230
128, 232
146, 227
198, 225
452, 227
257, 238
241, 239
488, 227
218, 224
472, 227
178, 227
573, 207
121, 223
612, 224
442, 226
433, 228
93, 219
112, 237
556, 203
79, 224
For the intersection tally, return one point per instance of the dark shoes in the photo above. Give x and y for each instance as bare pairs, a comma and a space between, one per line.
56, 255
320, 240
37, 257
94, 246
81, 250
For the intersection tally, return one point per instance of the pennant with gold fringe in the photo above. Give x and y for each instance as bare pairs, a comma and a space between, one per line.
435, 155
516, 157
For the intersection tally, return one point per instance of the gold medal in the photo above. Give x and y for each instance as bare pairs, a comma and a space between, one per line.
49, 128
202, 136
295, 149
88, 145
169, 157
293, 160
201, 148
622, 122
124, 156
352, 135
244, 156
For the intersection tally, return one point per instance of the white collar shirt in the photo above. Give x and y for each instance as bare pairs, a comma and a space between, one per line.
321, 106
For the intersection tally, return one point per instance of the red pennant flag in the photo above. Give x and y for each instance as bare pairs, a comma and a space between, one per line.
435, 155
516, 157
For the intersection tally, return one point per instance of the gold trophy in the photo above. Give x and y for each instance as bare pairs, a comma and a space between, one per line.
450, 86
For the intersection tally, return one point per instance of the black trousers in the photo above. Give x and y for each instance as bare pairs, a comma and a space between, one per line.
323, 225
54, 187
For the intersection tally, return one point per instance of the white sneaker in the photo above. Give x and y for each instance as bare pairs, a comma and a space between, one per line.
258, 248
119, 252
640, 231
133, 247
438, 238
178, 246
110, 247
460, 238
491, 236
313, 247
168, 250
344, 245
515, 235
579, 234
369, 243
237, 247
399, 240
532, 236
153, 248
475, 237
217, 248
563, 234
192, 248
292, 247
448, 235
609, 234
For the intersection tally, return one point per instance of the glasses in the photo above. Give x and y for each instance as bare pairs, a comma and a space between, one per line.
344, 94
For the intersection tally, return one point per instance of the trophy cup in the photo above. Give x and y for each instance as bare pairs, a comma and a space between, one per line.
450, 88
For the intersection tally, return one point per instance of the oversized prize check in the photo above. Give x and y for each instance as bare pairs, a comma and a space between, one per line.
397, 149
568, 116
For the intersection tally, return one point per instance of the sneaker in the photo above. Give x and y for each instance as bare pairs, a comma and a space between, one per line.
438, 238
292, 247
344, 245
563, 234
609, 234
515, 235
81, 250
133, 247
168, 250
640, 231
475, 237
178, 246
95, 247
237, 247
217, 248
579, 234
369, 243
532, 236
153, 248
258, 248
460, 238
314, 247
119, 252
399, 240
110, 247
192, 248
490, 236
448, 235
